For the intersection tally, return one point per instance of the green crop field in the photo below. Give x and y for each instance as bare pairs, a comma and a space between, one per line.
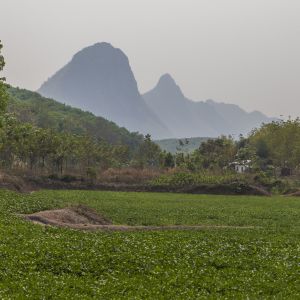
40, 262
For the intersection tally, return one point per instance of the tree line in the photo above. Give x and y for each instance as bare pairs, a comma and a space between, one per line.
73, 147
274, 148
25, 146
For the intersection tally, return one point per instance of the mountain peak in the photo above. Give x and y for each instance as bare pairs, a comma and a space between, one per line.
166, 80
99, 79
103, 51
102, 44
168, 85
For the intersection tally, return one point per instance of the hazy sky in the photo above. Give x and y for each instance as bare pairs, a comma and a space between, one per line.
237, 51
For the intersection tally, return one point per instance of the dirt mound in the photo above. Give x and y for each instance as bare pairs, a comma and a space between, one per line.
74, 215
83, 217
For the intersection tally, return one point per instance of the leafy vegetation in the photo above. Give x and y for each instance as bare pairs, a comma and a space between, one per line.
31, 107
277, 145
48, 262
43, 135
270, 153
27, 147
191, 179
3, 94
272, 150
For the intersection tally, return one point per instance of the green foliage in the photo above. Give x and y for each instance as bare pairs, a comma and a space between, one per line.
168, 160
218, 263
51, 137
215, 153
40, 134
278, 143
91, 173
31, 107
25, 146
274, 185
262, 149
64, 178
148, 154
193, 179
3, 92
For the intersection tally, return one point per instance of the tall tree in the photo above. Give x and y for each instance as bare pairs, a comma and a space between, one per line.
149, 153
3, 93
216, 153
279, 143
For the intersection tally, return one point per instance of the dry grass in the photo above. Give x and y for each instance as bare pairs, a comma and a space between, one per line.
129, 175
14, 183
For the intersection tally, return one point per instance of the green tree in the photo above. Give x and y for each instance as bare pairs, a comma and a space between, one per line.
3, 88
216, 153
149, 153
121, 155
169, 160
278, 143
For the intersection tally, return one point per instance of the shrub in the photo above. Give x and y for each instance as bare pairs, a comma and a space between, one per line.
191, 179
91, 173
68, 178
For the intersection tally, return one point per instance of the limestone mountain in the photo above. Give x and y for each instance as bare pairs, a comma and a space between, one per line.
190, 118
99, 79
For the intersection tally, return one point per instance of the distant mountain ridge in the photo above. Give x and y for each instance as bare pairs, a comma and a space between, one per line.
190, 118
99, 79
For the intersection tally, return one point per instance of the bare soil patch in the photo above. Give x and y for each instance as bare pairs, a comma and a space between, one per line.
85, 218
74, 215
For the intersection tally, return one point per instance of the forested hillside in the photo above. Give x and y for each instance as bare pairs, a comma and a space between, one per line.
31, 107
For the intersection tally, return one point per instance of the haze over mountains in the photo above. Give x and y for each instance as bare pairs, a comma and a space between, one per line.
187, 118
99, 79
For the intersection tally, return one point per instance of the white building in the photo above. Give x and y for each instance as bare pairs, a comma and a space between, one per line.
241, 166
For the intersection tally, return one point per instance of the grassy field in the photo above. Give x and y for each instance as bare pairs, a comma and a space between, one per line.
57, 263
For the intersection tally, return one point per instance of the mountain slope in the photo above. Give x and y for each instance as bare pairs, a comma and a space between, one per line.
189, 118
237, 116
31, 107
99, 79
